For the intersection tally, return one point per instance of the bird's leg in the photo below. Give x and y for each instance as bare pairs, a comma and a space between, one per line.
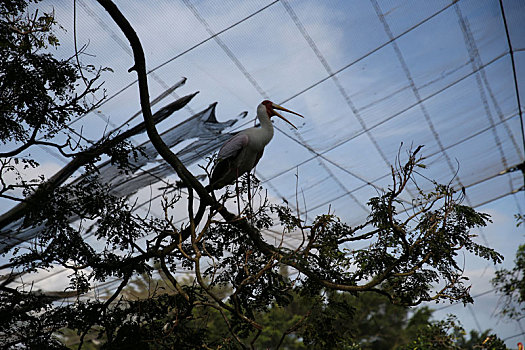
249, 192
237, 190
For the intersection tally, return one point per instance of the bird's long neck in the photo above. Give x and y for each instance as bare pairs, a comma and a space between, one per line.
266, 129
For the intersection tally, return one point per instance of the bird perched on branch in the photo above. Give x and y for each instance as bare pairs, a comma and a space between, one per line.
242, 152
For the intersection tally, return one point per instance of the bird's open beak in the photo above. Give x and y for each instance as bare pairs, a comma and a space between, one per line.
275, 106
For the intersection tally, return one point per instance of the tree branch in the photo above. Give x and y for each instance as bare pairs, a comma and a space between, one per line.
84, 158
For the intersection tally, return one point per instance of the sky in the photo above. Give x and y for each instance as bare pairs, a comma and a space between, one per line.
367, 76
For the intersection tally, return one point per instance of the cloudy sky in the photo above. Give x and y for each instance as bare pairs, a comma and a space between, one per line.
367, 76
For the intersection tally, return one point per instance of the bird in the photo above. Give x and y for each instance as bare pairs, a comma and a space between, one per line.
242, 152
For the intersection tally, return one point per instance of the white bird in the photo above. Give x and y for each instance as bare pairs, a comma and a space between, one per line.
242, 152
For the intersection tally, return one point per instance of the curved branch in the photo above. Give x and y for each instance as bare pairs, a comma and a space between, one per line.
23, 147
140, 67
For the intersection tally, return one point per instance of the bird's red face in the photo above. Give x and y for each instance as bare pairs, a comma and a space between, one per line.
271, 111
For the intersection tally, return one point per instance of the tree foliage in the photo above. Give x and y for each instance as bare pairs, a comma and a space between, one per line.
38, 92
448, 334
510, 284
405, 253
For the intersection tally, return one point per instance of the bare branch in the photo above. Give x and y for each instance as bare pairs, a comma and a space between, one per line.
84, 158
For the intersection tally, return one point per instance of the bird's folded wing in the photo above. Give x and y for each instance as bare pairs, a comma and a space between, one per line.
233, 146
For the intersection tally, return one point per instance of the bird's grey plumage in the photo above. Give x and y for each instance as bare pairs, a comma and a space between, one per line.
242, 152
236, 157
